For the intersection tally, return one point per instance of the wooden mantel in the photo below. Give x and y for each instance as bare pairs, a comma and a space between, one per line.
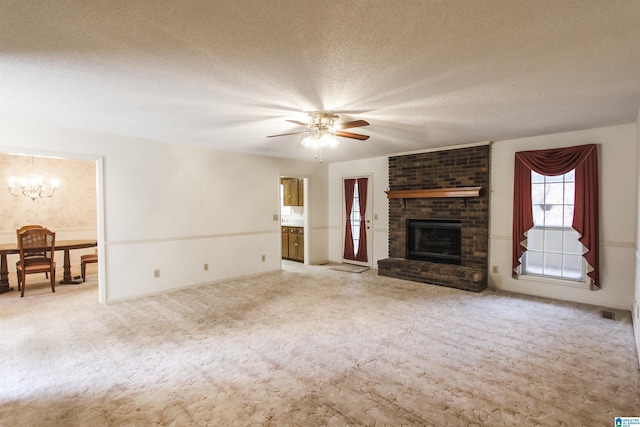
434, 192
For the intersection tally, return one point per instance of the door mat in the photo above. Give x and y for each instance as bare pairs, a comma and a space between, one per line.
349, 268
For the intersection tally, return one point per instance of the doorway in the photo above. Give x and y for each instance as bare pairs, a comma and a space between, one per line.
293, 218
356, 215
65, 207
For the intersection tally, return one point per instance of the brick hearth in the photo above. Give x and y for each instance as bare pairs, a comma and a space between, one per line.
466, 167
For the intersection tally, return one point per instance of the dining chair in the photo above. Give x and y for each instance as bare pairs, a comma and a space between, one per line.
29, 227
37, 249
84, 260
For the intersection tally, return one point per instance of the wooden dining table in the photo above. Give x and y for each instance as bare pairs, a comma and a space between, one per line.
61, 245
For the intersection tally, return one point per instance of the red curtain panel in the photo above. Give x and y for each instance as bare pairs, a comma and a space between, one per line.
362, 198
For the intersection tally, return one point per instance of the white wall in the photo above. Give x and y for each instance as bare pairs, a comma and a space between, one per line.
174, 207
636, 293
378, 168
618, 211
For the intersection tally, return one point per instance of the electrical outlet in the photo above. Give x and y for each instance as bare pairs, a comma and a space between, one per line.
275, 217
494, 269
206, 267
156, 273
264, 258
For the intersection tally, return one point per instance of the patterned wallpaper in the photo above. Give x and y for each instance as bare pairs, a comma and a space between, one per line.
73, 206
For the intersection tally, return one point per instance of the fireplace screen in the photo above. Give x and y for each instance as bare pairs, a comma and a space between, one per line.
434, 240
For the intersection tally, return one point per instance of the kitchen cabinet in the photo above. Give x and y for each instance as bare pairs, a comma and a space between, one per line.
293, 191
293, 243
285, 242
296, 244
301, 192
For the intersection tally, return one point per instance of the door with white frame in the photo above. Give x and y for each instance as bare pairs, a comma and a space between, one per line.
356, 220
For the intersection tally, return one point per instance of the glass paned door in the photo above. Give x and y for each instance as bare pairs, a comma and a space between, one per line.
355, 220
357, 226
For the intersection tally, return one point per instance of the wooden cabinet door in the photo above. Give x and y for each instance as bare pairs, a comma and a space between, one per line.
293, 246
285, 242
286, 191
300, 253
294, 185
290, 189
293, 191
296, 243
301, 192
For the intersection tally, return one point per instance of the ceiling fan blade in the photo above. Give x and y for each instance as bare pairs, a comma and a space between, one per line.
285, 134
297, 122
352, 135
353, 124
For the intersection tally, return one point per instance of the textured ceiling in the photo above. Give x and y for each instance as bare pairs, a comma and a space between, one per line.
225, 73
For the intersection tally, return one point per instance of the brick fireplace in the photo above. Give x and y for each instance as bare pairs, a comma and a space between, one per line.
445, 172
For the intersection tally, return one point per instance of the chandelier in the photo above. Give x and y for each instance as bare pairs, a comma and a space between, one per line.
32, 186
323, 131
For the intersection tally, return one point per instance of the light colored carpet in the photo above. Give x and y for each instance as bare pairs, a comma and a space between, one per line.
311, 346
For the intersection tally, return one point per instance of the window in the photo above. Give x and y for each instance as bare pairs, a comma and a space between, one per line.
355, 218
562, 172
553, 248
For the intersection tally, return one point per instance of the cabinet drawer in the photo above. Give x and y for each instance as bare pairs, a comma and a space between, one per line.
296, 230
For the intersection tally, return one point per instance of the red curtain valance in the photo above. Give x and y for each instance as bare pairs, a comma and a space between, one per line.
558, 161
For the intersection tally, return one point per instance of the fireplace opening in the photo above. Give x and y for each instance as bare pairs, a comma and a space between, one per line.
434, 240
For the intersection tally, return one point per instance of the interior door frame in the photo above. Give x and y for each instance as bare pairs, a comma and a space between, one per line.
368, 221
99, 165
305, 184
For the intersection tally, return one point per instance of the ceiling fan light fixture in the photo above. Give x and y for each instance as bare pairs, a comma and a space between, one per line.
322, 129
316, 142
319, 139
309, 142
322, 120
328, 140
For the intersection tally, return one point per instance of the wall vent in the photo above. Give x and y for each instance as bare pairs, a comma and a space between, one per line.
608, 315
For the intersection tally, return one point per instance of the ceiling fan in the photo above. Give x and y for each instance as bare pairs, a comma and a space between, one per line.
321, 123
